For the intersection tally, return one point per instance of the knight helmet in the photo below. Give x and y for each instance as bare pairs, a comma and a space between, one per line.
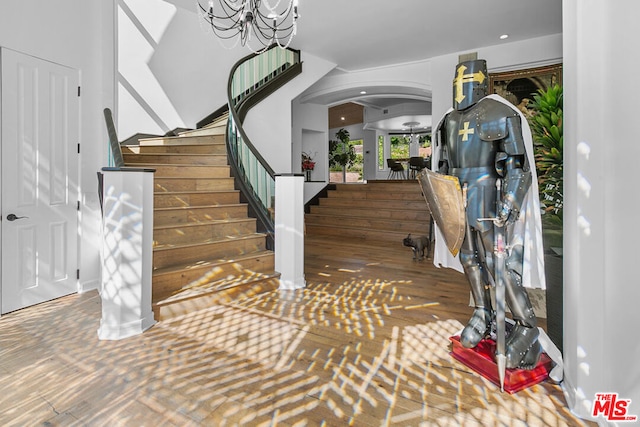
470, 83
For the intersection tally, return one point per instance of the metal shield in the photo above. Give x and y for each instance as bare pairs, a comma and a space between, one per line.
444, 199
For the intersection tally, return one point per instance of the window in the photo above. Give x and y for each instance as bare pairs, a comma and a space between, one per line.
381, 163
400, 147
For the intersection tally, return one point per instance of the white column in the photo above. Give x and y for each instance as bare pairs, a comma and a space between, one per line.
127, 252
601, 233
289, 229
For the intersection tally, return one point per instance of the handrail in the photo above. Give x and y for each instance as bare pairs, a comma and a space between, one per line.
251, 80
114, 144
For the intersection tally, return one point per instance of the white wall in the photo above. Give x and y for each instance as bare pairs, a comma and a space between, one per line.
77, 34
172, 71
356, 132
309, 126
601, 285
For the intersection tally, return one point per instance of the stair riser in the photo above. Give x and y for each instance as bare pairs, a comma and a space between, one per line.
182, 235
195, 215
244, 290
397, 215
370, 195
380, 187
393, 239
176, 159
168, 283
184, 140
219, 250
211, 131
188, 171
193, 184
421, 227
216, 148
374, 204
195, 199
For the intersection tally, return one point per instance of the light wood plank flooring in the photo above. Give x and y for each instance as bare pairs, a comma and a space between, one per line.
365, 344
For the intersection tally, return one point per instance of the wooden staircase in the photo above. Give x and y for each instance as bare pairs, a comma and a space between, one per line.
205, 246
379, 213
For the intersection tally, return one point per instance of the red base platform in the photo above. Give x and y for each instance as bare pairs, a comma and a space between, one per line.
481, 360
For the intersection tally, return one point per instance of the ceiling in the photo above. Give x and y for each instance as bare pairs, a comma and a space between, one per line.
345, 115
361, 34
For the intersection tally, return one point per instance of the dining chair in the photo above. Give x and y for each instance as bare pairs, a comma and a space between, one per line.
416, 164
396, 170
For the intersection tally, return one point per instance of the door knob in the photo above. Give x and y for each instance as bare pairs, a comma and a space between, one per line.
12, 217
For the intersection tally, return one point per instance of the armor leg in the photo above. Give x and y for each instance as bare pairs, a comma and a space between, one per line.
479, 325
522, 347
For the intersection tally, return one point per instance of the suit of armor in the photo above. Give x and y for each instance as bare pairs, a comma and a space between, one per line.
481, 142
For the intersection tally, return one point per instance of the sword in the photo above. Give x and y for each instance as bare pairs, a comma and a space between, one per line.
499, 249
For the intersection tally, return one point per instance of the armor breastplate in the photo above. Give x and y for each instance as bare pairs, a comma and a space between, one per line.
465, 147
472, 139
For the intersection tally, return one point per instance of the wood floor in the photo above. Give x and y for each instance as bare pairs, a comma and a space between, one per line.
365, 344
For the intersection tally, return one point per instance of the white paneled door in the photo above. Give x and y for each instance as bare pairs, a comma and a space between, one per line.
39, 180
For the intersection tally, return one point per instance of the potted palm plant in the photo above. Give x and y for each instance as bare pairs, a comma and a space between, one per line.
546, 128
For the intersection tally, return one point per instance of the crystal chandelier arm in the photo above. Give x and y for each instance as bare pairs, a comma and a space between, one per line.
246, 19
229, 11
269, 27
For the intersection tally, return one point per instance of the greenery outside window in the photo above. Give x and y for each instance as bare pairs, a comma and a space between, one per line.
400, 147
381, 160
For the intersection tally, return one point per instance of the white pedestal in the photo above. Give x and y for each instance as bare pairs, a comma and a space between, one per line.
289, 229
127, 252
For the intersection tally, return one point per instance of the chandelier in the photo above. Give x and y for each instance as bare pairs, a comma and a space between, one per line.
254, 23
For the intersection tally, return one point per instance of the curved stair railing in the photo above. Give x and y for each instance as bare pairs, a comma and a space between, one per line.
251, 80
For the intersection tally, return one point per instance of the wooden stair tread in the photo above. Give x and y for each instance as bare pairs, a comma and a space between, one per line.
203, 207
181, 140
359, 211
169, 153
131, 149
204, 223
204, 240
173, 193
359, 218
367, 234
167, 246
371, 204
157, 165
347, 227
383, 212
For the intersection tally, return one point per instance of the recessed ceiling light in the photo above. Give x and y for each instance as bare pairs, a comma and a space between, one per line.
362, 92
341, 118
504, 36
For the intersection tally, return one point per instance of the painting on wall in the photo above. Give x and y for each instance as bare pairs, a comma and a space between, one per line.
518, 87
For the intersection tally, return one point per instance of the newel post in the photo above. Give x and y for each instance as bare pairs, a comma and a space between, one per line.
289, 230
127, 252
